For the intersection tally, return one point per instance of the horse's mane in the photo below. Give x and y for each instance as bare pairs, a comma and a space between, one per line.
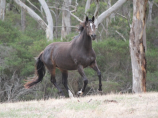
82, 25
81, 28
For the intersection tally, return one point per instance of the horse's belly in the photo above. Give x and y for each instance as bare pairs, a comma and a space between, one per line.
66, 64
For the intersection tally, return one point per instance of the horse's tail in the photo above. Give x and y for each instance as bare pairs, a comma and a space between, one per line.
40, 72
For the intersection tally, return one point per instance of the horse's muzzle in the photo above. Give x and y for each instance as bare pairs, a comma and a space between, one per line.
93, 36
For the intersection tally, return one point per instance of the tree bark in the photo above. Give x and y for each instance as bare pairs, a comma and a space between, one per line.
66, 20
49, 30
137, 48
2, 9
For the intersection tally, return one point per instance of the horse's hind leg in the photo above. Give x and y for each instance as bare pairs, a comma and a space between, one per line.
64, 81
53, 80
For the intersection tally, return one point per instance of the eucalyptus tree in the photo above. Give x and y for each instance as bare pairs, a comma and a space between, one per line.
23, 19
2, 9
137, 47
48, 27
66, 20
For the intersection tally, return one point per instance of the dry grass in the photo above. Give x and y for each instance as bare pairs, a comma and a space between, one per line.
107, 106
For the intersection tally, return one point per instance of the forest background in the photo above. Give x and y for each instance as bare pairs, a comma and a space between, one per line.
20, 46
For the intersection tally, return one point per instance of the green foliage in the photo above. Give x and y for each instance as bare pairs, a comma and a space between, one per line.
152, 46
109, 49
152, 57
108, 86
152, 81
37, 47
8, 34
69, 37
13, 18
151, 31
113, 59
24, 46
90, 12
121, 25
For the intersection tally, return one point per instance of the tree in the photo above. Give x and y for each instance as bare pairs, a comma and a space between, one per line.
106, 13
108, 19
2, 9
23, 19
88, 3
137, 48
150, 2
66, 20
47, 27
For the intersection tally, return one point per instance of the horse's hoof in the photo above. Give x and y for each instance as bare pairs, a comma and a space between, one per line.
79, 93
100, 92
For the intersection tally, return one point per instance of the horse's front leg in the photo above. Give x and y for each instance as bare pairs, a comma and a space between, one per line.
95, 67
85, 80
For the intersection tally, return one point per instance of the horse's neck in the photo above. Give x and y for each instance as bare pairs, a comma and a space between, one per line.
84, 41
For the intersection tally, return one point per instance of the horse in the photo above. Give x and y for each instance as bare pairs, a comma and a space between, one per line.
74, 55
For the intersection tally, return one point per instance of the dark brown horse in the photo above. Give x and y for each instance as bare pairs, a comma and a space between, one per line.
75, 55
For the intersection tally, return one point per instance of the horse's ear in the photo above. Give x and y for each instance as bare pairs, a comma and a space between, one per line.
93, 19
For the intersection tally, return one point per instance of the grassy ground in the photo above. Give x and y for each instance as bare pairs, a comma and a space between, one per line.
107, 106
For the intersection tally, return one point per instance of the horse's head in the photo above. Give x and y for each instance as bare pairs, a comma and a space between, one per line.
89, 27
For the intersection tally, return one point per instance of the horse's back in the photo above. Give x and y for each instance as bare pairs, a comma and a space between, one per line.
58, 54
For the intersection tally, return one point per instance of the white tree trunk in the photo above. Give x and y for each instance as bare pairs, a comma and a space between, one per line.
97, 9
49, 30
2, 9
66, 20
23, 19
32, 14
108, 19
106, 13
150, 2
137, 48
88, 4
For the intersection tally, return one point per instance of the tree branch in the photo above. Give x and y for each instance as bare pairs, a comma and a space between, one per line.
33, 5
75, 7
68, 26
120, 35
121, 15
32, 14
77, 18
156, 4
106, 13
97, 9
